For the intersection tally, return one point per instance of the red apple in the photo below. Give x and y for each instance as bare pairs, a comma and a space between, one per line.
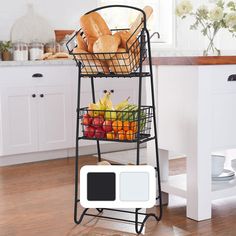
99, 133
98, 121
87, 120
89, 131
107, 126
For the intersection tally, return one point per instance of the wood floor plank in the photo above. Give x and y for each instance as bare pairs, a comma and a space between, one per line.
37, 200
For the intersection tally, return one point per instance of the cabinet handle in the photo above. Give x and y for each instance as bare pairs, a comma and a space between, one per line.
105, 91
37, 75
33, 95
41, 95
232, 77
112, 90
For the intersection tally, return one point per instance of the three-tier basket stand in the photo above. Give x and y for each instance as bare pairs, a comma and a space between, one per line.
124, 65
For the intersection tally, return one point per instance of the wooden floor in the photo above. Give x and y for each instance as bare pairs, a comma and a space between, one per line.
37, 200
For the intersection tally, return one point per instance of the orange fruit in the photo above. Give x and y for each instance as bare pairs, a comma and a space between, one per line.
121, 135
126, 125
117, 125
130, 135
134, 126
110, 135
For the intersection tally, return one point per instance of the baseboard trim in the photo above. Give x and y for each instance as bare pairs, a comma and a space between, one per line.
59, 154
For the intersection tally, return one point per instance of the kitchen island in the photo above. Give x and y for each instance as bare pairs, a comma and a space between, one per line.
196, 100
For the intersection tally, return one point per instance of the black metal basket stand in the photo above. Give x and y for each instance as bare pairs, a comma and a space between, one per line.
141, 49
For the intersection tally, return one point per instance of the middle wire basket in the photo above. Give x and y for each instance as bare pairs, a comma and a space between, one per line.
116, 125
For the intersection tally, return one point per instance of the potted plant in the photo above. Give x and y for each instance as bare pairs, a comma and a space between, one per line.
5, 50
222, 15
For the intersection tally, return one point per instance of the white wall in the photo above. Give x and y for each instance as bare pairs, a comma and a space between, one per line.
61, 14
65, 15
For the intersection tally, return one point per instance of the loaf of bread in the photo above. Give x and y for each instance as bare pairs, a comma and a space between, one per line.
106, 44
128, 41
91, 64
81, 43
94, 25
137, 25
90, 42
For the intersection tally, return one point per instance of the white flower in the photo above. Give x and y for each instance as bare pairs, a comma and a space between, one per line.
230, 19
183, 8
216, 14
203, 8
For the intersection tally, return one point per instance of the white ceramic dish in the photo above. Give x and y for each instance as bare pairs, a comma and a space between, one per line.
226, 175
233, 164
217, 165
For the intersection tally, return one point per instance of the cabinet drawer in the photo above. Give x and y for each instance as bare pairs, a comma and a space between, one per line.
37, 75
223, 78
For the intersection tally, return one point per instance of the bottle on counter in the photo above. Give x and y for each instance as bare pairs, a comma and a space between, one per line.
36, 50
52, 47
20, 51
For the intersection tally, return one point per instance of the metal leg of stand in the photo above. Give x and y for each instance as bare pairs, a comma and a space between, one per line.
77, 148
94, 100
155, 127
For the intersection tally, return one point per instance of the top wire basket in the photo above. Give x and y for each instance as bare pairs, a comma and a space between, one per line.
124, 62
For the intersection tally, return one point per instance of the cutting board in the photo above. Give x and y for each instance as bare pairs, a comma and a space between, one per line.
32, 27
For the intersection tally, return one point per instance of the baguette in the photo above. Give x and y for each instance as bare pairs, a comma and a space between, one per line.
137, 25
106, 44
91, 64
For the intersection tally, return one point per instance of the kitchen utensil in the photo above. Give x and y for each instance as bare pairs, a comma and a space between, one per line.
217, 164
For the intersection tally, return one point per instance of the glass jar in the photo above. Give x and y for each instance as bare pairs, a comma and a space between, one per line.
20, 51
36, 50
50, 47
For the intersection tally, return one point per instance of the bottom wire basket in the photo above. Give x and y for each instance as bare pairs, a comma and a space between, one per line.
116, 126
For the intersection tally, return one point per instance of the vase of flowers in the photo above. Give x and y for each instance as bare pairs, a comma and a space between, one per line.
210, 20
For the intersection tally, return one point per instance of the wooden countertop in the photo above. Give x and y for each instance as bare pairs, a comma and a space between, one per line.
195, 60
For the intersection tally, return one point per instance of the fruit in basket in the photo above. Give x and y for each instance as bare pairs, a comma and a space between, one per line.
126, 125
130, 135
87, 120
89, 131
111, 135
134, 126
99, 133
121, 135
122, 104
117, 125
110, 115
93, 110
107, 126
106, 101
98, 121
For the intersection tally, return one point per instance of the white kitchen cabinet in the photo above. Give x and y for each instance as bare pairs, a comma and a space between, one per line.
36, 112
19, 120
54, 118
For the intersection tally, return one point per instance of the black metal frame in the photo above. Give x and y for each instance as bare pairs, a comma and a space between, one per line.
140, 74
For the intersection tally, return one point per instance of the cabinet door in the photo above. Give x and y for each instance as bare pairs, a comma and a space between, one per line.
55, 120
19, 120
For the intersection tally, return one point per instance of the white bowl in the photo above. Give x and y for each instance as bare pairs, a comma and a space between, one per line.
217, 165
233, 164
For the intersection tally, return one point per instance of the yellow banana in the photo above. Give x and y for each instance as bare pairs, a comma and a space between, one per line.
122, 104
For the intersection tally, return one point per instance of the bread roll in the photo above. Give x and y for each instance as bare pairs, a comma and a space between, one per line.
106, 44
117, 35
121, 62
91, 64
128, 41
81, 43
94, 25
90, 42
